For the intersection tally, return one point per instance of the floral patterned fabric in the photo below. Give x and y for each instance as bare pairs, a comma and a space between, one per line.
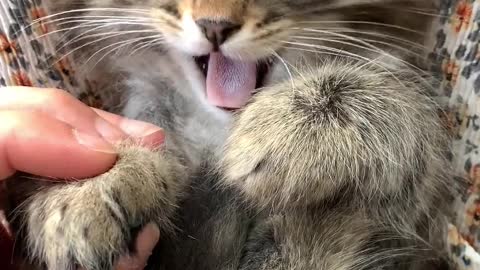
27, 58
26, 52
457, 58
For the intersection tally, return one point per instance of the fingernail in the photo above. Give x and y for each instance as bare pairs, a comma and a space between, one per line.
154, 140
93, 142
138, 129
108, 131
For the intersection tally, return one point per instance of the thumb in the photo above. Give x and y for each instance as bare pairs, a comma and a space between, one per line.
38, 144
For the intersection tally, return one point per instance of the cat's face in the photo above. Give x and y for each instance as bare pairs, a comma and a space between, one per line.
243, 45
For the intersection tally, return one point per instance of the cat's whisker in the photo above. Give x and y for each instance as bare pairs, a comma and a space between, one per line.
424, 9
374, 34
87, 20
102, 26
95, 26
109, 35
374, 48
353, 39
388, 44
336, 40
345, 53
342, 54
147, 44
119, 10
114, 34
326, 48
106, 23
427, 12
320, 52
50, 19
87, 24
393, 26
64, 20
286, 68
370, 41
73, 19
117, 46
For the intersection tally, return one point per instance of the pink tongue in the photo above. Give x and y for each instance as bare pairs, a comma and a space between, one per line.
230, 83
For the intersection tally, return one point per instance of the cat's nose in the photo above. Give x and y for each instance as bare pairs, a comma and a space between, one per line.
217, 32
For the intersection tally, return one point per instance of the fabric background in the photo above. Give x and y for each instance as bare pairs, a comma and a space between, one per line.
27, 58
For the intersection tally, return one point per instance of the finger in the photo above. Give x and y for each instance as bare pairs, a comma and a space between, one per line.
41, 145
62, 106
145, 133
145, 243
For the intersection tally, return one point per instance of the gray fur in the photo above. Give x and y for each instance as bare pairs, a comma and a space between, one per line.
338, 163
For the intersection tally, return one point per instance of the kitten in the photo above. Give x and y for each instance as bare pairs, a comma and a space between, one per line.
300, 135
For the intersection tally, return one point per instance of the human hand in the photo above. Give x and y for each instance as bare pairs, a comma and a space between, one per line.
49, 133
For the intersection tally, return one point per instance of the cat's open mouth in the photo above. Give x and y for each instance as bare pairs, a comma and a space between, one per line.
231, 83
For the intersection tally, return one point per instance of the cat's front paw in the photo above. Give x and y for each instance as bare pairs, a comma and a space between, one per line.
71, 228
91, 223
340, 127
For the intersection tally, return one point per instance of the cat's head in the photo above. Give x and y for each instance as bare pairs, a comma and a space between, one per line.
243, 45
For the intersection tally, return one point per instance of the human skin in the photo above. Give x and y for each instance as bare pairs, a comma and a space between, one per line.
49, 133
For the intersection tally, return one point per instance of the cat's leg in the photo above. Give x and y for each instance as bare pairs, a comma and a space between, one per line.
342, 127
334, 241
90, 223
327, 238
